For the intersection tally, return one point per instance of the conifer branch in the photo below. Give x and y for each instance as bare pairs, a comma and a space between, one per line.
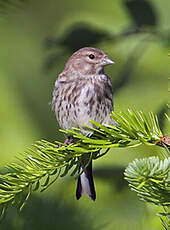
150, 179
48, 161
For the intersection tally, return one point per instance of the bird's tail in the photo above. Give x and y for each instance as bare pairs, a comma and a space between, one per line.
85, 183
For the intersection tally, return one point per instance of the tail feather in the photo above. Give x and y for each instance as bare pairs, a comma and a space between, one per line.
85, 183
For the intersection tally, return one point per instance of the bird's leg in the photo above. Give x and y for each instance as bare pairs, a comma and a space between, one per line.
68, 140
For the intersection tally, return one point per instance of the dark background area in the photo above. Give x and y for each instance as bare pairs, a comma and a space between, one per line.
36, 39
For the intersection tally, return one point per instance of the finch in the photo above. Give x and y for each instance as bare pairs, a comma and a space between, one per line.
83, 92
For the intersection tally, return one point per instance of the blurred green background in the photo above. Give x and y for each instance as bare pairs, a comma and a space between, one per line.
36, 38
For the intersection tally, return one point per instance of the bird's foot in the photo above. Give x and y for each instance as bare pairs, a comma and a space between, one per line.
68, 141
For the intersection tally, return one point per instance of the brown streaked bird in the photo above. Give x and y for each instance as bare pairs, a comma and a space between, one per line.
83, 92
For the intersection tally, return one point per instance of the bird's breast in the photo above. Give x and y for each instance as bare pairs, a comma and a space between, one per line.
78, 102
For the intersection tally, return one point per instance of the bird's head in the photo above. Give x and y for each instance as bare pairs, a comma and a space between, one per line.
88, 61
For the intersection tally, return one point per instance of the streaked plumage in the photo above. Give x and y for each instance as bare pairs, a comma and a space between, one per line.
83, 92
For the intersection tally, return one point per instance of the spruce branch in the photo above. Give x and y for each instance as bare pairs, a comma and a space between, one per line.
165, 218
132, 129
150, 179
48, 161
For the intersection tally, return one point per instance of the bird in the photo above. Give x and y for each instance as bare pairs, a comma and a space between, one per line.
83, 92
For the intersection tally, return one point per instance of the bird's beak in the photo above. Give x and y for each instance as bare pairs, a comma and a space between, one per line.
107, 61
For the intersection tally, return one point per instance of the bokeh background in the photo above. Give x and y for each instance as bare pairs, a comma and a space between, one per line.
36, 38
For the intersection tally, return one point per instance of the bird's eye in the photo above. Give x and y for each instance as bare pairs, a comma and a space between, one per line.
91, 56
